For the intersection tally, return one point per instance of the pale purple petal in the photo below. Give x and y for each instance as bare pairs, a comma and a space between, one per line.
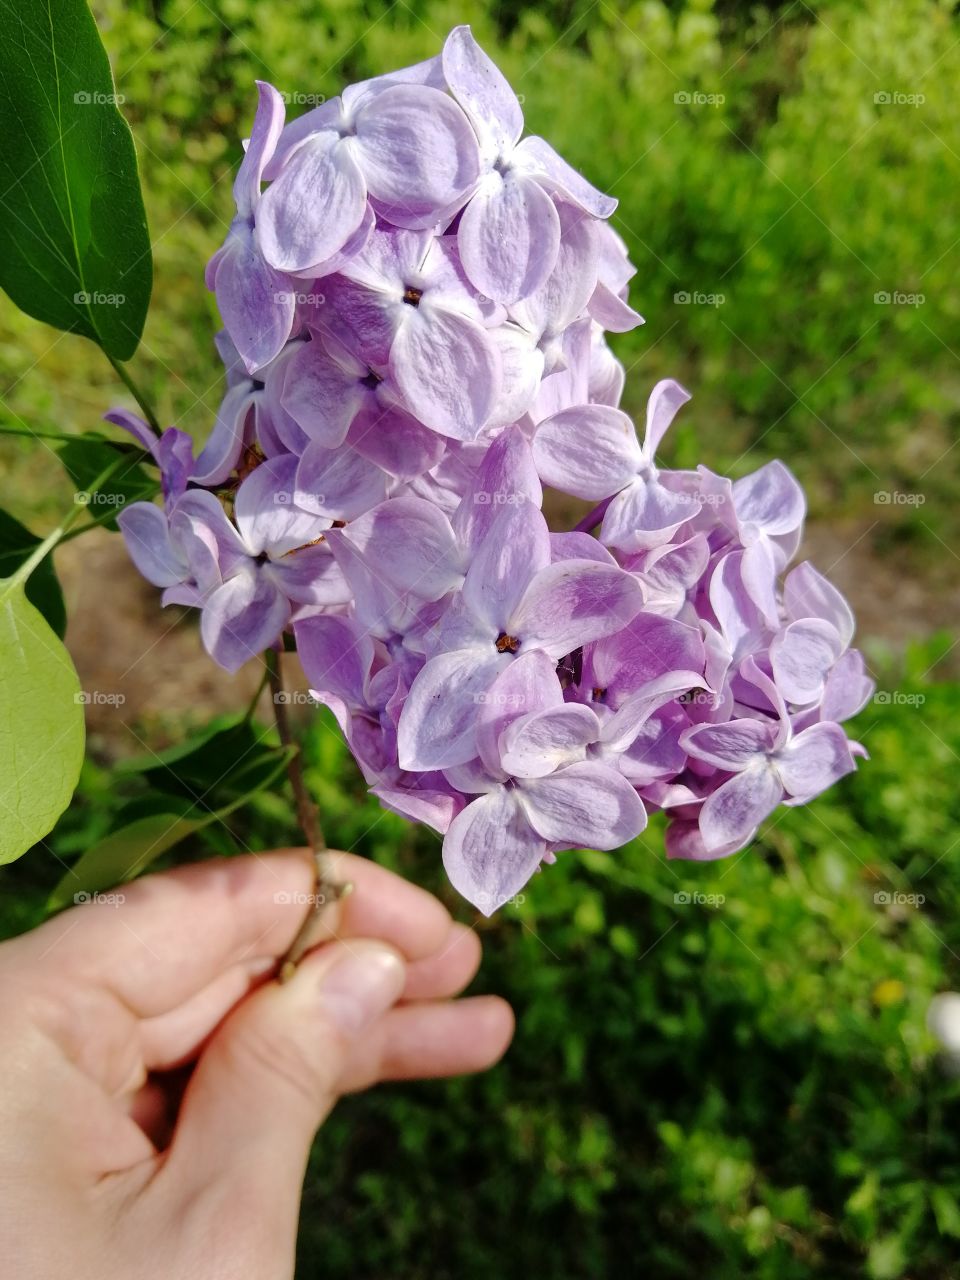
645, 515
802, 655
147, 536
256, 303
536, 156
612, 312
732, 746
448, 371
321, 395
516, 548
395, 441
439, 718
483, 92
506, 477
242, 618
509, 237
416, 149
490, 851
527, 684
338, 483
573, 602
586, 805
731, 815
589, 451
220, 455
771, 499
665, 400
808, 594
336, 657
814, 760
267, 127
647, 649
848, 688
267, 514
313, 208
541, 742
411, 544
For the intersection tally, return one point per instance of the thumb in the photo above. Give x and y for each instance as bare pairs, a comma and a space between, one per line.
267, 1080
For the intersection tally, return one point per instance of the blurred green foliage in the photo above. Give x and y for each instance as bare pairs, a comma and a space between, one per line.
734, 1090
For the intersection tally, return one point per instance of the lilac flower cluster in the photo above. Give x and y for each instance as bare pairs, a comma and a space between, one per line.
415, 309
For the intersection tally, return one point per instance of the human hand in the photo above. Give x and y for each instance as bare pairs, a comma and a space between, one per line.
109, 1167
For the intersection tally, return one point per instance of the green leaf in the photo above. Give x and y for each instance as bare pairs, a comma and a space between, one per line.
74, 247
85, 462
122, 855
229, 757
43, 589
41, 724
127, 852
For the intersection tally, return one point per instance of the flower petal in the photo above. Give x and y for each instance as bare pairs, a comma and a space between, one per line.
589, 451
771, 499
416, 149
814, 760
731, 746
802, 655
267, 127
537, 156
509, 237
410, 543
539, 743
266, 511
731, 815
336, 657
572, 602
338, 483
490, 851
514, 550
448, 371
242, 618
315, 205
665, 400
439, 718
147, 536
588, 806
257, 305
321, 395
483, 91
808, 594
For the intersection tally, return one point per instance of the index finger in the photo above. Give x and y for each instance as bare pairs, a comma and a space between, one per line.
169, 935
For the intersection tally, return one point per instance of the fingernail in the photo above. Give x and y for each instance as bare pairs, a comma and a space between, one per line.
362, 983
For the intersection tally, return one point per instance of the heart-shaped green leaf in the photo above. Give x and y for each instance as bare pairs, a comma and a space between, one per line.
74, 248
41, 724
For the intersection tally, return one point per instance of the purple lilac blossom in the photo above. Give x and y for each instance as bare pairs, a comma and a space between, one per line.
416, 299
